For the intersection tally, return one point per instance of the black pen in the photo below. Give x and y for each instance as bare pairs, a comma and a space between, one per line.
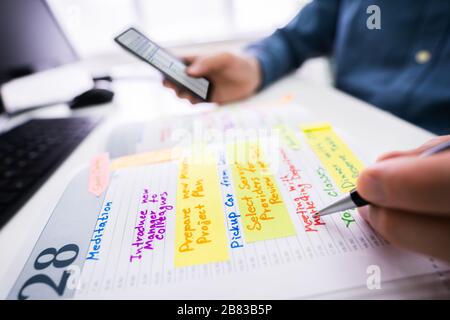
353, 199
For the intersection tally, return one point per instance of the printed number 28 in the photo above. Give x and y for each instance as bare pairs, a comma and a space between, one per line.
42, 278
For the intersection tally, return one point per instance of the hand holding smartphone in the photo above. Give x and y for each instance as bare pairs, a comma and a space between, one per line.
172, 68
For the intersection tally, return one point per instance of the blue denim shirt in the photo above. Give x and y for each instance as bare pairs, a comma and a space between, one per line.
403, 68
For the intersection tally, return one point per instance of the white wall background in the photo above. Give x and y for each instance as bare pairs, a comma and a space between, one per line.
92, 24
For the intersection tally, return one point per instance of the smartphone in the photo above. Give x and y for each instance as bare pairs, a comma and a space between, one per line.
172, 68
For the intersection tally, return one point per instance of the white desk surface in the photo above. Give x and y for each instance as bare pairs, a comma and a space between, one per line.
139, 100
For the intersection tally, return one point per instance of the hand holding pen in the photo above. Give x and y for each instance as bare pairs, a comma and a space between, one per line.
409, 196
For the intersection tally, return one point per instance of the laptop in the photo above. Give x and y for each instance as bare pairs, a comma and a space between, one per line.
32, 41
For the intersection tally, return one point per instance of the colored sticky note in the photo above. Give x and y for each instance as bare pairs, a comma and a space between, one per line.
200, 229
263, 211
99, 174
288, 137
340, 162
287, 98
145, 158
317, 126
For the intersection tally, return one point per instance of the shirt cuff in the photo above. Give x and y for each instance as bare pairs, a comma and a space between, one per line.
264, 64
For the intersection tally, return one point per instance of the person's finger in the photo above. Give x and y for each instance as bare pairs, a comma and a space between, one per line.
178, 91
421, 233
204, 65
414, 152
395, 154
409, 183
189, 97
189, 59
184, 95
169, 84
364, 212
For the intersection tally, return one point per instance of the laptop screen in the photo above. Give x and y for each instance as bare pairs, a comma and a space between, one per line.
31, 40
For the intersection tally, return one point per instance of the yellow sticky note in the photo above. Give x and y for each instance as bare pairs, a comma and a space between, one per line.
145, 158
318, 126
264, 214
200, 230
341, 163
288, 136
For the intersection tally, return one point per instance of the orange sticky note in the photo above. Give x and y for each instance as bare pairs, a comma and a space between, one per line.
99, 174
287, 98
141, 159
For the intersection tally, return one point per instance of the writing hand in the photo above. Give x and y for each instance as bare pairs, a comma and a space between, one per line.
410, 199
234, 77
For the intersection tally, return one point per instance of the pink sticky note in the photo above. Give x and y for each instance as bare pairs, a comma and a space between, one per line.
99, 174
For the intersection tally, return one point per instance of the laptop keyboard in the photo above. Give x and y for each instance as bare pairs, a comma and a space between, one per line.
29, 154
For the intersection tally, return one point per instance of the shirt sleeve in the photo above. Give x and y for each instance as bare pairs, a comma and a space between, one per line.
310, 34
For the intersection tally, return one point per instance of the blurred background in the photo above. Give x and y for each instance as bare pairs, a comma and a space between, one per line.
61, 71
92, 24
84, 32
181, 26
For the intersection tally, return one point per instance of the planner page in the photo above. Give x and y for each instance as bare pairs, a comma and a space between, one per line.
220, 205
